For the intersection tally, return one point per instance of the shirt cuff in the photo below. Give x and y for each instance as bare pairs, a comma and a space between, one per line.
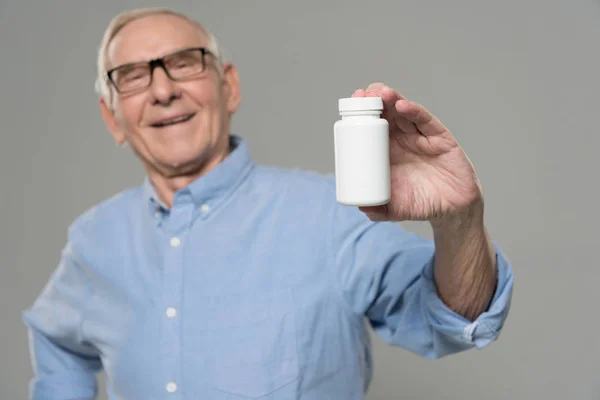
64, 385
486, 328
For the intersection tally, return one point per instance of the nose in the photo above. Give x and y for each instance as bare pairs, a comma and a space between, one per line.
163, 89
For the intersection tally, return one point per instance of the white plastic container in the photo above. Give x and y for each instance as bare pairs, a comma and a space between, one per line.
362, 153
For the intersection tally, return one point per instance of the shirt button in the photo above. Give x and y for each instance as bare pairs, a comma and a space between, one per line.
175, 242
205, 208
468, 332
171, 387
171, 312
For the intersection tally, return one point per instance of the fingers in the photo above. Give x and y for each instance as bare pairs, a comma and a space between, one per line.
375, 86
379, 90
419, 116
402, 123
408, 116
372, 88
389, 97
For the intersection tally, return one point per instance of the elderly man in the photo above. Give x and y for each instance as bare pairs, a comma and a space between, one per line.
221, 279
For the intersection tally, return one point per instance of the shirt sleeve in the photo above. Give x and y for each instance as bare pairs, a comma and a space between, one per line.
386, 275
64, 365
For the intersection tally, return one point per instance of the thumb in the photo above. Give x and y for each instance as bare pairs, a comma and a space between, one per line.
375, 213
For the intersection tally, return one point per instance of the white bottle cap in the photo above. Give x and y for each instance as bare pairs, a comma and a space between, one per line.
360, 104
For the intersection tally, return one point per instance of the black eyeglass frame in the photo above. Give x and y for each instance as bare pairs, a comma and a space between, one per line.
156, 63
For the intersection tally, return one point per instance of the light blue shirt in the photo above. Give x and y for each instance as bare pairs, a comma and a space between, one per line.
256, 284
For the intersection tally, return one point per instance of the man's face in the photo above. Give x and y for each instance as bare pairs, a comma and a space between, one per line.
206, 101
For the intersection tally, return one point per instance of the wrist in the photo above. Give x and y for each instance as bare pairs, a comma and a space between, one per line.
467, 219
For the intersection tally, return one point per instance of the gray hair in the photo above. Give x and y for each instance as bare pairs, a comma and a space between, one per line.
118, 22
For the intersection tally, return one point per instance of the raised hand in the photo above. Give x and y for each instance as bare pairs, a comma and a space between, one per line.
431, 177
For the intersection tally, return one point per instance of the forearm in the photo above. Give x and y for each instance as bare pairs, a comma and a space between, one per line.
465, 263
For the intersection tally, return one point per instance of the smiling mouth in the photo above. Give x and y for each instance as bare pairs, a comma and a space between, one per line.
173, 121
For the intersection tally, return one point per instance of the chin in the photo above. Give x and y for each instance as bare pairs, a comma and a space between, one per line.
184, 164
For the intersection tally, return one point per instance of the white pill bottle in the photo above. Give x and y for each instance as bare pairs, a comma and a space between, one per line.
362, 153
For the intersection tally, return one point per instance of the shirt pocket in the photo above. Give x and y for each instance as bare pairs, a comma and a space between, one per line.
252, 343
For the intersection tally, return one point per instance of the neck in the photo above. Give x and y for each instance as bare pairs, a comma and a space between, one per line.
166, 185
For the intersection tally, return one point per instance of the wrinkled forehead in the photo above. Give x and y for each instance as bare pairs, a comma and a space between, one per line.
151, 37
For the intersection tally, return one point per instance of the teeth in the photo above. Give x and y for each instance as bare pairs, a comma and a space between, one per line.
177, 120
174, 121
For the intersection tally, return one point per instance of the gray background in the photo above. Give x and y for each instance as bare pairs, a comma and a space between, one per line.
516, 82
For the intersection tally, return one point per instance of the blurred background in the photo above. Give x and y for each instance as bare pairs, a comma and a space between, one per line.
515, 81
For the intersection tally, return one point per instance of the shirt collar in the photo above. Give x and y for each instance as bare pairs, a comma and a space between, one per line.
213, 187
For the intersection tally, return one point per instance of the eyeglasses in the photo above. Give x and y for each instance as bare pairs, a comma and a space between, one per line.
179, 65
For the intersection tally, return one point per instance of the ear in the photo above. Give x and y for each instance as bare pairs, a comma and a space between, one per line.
231, 80
109, 119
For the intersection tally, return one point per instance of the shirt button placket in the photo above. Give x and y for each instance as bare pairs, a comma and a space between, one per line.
176, 228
